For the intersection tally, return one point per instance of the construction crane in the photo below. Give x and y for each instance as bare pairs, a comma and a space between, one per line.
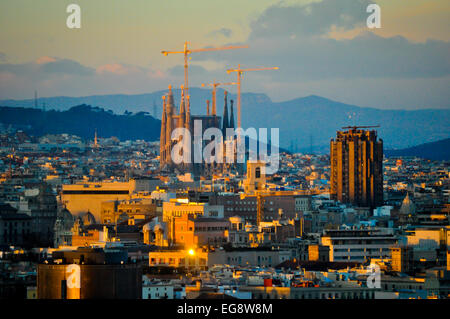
214, 86
188, 51
262, 194
240, 72
357, 127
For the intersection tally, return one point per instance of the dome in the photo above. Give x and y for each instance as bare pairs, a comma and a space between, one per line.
158, 228
88, 219
65, 213
408, 206
66, 218
147, 227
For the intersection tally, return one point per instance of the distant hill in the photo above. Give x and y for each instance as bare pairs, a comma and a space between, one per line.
315, 120
119, 103
82, 120
306, 121
439, 151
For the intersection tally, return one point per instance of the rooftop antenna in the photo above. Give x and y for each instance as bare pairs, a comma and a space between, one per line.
35, 99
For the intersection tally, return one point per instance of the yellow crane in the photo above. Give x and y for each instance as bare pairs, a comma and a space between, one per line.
214, 86
262, 194
240, 72
186, 51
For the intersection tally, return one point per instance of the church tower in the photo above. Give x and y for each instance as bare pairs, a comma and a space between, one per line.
225, 115
162, 136
231, 114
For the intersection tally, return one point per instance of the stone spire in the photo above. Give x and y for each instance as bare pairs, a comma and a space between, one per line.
170, 102
213, 112
231, 114
162, 136
225, 114
169, 124
182, 109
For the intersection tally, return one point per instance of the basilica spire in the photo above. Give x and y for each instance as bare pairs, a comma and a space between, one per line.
182, 117
182, 107
162, 136
170, 102
231, 114
225, 123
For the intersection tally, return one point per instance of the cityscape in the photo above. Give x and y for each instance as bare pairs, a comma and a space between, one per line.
196, 196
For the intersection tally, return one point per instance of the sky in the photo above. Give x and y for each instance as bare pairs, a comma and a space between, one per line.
322, 47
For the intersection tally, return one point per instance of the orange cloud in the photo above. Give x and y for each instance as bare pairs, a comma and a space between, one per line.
45, 59
115, 68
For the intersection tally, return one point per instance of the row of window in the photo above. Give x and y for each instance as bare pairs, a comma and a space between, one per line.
217, 228
181, 213
324, 295
15, 224
359, 257
174, 261
138, 210
337, 250
362, 242
230, 202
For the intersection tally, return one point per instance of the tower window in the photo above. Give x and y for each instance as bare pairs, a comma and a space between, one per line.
258, 172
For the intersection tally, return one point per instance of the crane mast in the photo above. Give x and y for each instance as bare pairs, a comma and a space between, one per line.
186, 51
240, 73
214, 86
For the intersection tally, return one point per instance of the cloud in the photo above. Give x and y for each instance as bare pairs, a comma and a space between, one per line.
65, 66
45, 59
297, 39
119, 69
325, 48
54, 77
367, 56
47, 66
309, 19
221, 32
322, 47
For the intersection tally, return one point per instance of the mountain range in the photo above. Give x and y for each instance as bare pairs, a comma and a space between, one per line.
438, 151
306, 124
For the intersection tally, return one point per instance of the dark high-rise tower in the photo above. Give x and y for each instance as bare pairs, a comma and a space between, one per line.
357, 167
